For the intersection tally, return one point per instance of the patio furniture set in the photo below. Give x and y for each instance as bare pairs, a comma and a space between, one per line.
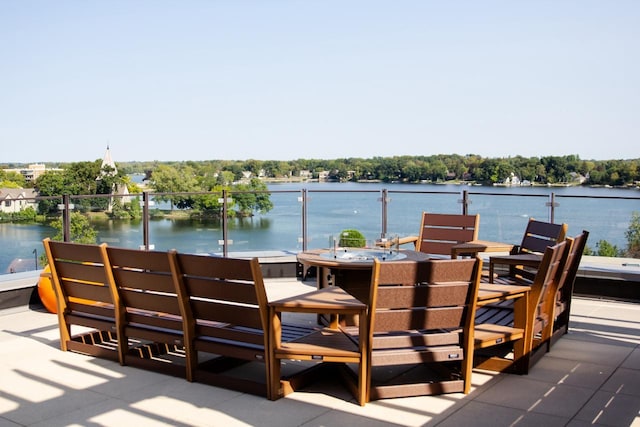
389, 328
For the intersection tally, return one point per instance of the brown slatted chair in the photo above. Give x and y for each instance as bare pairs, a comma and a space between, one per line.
226, 318
495, 333
439, 232
565, 289
420, 336
149, 320
84, 298
525, 258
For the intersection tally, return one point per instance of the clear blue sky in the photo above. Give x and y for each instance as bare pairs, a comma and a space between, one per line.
280, 80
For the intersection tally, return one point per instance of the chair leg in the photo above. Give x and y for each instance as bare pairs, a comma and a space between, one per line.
274, 377
363, 389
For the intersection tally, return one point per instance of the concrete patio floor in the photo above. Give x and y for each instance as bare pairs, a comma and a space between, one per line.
591, 377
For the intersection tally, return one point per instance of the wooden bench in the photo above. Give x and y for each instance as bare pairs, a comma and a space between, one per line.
193, 316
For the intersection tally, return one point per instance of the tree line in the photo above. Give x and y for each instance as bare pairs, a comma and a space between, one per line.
436, 168
198, 189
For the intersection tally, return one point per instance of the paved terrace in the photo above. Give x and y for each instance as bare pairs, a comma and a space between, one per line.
591, 377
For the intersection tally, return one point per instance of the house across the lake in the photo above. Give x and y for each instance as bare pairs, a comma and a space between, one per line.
16, 199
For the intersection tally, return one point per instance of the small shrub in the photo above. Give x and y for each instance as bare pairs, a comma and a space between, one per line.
352, 239
604, 248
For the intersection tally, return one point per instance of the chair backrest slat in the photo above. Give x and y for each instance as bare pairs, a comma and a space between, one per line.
419, 319
222, 312
86, 291
212, 288
429, 294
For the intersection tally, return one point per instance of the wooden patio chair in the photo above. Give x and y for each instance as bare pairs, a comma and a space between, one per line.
420, 336
439, 232
225, 311
525, 258
85, 303
148, 316
565, 288
496, 334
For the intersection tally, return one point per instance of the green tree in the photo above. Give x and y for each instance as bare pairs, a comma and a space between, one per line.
12, 179
604, 248
170, 179
225, 178
50, 184
80, 229
252, 197
128, 210
9, 184
633, 236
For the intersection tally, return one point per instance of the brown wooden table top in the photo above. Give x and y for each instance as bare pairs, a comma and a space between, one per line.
531, 260
332, 299
475, 246
491, 292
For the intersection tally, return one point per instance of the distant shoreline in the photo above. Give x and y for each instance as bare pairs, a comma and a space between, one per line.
453, 182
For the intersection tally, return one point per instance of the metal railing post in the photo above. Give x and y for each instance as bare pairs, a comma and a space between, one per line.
465, 202
303, 199
225, 225
145, 220
552, 207
66, 219
384, 201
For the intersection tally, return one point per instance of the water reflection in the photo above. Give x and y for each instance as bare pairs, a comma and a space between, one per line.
21, 246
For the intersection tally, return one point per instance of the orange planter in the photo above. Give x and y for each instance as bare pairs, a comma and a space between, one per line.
46, 292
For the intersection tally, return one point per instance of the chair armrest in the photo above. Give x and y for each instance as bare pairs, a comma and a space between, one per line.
387, 243
408, 239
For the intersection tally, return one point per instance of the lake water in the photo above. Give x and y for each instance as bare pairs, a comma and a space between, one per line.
333, 207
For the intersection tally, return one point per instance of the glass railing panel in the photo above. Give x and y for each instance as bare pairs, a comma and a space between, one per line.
404, 209
21, 248
604, 217
504, 217
107, 217
279, 229
330, 212
173, 228
606, 213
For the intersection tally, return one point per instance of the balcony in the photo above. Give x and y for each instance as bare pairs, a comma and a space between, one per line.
591, 376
